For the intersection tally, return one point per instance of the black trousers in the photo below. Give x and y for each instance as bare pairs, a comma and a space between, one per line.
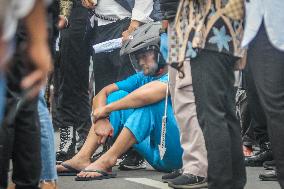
213, 80
266, 66
258, 120
73, 107
110, 67
20, 136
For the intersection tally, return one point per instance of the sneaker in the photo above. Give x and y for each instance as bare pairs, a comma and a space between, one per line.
172, 175
269, 165
132, 161
67, 144
265, 154
268, 176
188, 181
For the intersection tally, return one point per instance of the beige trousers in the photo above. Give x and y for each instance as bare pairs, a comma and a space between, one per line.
191, 136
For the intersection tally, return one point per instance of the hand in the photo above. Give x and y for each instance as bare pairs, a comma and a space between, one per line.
41, 58
103, 129
89, 4
134, 24
99, 113
62, 22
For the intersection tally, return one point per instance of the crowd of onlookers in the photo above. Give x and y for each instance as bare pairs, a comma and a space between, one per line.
196, 89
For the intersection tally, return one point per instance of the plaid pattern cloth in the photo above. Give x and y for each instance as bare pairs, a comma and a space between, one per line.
235, 9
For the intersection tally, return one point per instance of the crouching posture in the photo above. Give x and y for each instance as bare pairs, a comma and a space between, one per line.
131, 111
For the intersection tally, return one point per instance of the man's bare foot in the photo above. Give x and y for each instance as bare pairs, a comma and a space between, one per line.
104, 163
75, 162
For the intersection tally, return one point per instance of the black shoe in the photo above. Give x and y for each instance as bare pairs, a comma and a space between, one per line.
67, 144
269, 165
172, 175
257, 160
132, 161
268, 176
188, 181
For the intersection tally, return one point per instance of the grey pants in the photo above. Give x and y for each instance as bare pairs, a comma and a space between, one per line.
191, 136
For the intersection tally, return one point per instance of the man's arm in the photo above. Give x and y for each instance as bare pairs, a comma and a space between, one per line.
38, 49
100, 99
148, 94
140, 14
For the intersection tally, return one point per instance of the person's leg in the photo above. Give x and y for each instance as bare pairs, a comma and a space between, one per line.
259, 122
144, 128
192, 139
26, 150
266, 65
82, 158
48, 172
213, 79
74, 107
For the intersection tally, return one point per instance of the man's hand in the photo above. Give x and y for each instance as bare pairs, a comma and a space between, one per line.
134, 24
100, 113
41, 58
62, 22
103, 129
89, 4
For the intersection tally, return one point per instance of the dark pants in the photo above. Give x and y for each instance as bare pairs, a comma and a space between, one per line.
73, 97
110, 67
258, 120
213, 80
266, 66
21, 135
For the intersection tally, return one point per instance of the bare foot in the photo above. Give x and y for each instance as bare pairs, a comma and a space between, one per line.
104, 163
75, 162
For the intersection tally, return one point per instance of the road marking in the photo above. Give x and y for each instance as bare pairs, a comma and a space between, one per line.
149, 182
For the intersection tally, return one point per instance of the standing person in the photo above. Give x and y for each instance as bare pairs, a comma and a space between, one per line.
210, 40
194, 171
20, 135
264, 35
73, 108
115, 19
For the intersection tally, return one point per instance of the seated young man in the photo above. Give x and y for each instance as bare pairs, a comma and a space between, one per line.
131, 112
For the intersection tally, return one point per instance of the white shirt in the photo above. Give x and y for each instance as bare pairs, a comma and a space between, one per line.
16, 9
110, 8
272, 13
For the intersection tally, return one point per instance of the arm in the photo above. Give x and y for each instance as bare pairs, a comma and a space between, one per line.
38, 49
140, 14
102, 127
148, 94
100, 99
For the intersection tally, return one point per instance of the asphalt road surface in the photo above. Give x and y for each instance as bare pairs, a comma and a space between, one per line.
149, 179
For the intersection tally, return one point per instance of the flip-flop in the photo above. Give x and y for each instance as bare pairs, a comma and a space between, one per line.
71, 171
104, 175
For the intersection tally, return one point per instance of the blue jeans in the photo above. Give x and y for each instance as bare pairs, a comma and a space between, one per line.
145, 124
48, 171
2, 96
